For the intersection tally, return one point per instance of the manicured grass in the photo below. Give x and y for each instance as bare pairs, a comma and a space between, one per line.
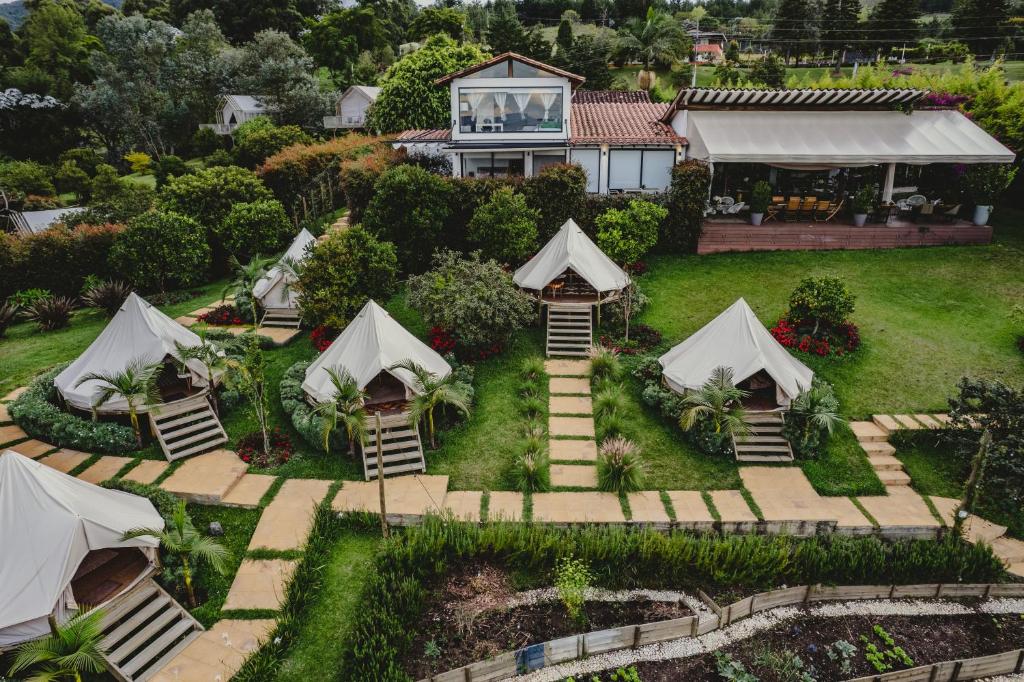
238, 525
927, 316
327, 622
843, 469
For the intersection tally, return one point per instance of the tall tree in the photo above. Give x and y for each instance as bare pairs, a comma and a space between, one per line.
840, 27
893, 23
794, 30
433, 20
505, 33
338, 38
588, 57
657, 37
981, 24
241, 21
277, 69
564, 38
57, 43
10, 48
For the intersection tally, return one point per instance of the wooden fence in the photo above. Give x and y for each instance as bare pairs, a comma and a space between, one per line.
537, 656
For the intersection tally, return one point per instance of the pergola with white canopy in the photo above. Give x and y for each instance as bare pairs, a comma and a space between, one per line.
59, 535
735, 339
138, 331
367, 349
274, 290
569, 255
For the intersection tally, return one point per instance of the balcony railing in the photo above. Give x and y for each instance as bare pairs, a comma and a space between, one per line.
331, 122
219, 128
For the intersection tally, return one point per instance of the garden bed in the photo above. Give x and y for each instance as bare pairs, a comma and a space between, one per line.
474, 613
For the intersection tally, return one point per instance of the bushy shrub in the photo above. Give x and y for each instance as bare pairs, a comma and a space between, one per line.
139, 162
51, 313
254, 227
291, 171
129, 201
505, 228
169, 166
8, 315
473, 299
655, 393
770, 71
342, 273
686, 199
164, 501
627, 235
208, 194
258, 139
558, 192
359, 175
26, 177
531, 471
85, 158
70, 178
811, 420
161, 251
23, 299
983, 183
106, 185
204, 142
604, 363
410, 208
36, 412
822, 300
57, 259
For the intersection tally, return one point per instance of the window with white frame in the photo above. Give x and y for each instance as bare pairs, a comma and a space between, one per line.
510, 110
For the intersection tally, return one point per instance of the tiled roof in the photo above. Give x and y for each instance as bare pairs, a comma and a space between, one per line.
708, 48
430, 135
620, 118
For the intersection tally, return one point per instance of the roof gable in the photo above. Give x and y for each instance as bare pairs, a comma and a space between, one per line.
575, 79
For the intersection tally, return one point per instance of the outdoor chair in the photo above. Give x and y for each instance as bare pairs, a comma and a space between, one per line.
792, 209
821, 209
807, 207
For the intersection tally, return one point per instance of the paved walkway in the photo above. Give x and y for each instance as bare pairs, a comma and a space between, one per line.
286, 521
570, 430
873, 438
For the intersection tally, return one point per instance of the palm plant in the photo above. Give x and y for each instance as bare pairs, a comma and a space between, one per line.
432, 392
813, 416
181, 539
718, 403
246, 277
73, 648
656, 37
209, 354
135, 383
346, 407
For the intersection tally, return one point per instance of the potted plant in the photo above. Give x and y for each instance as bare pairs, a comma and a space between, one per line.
863, 202
759, 198
982, 185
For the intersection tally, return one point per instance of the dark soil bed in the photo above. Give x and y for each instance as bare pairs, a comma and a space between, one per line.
926, 639
466, 619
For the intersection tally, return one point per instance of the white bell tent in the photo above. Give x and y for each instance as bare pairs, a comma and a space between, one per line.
274, 290
572, 249
49, 523
735, 339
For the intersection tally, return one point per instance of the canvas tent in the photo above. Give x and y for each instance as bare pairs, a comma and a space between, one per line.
370, 344
137, 331
49, 522
273, 290
735, 339
571, 248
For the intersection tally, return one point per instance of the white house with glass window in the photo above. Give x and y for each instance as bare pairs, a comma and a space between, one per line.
233, 111
513, 116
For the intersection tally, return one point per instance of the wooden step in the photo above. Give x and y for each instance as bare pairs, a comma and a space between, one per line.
145, 657
143, 632
158, 665
129, 625
187, 428
773, 449
127, 603
764, 458
400, 440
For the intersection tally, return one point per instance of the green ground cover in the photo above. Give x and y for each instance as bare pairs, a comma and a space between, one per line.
212, 587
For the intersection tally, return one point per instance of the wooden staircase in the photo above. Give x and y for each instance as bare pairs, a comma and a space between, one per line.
400, 445
143, 630
289, 318
765, 443
186, 427
570, 330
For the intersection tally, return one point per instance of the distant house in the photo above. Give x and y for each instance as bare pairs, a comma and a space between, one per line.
709, 54
351, 108
707, 38
34, 222
235, 110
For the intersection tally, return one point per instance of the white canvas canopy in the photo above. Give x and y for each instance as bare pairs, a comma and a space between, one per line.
137, 330
571, 248
370, 344
840, 138
273, 290
49, 522
735, 339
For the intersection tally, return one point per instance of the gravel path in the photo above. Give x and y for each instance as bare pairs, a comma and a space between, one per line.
695, 646
550, 594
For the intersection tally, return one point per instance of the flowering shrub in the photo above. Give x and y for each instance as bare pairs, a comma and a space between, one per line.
322, 337
837, 340
222, 316
250, 449
441, 340
941, 100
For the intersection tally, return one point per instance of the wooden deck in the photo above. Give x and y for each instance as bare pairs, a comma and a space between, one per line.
775, 236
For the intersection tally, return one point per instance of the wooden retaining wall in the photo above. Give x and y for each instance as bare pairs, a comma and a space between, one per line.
537, 656
774, 236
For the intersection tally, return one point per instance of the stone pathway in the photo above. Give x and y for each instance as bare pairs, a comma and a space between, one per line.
260, 584
504, 505
286, 521
977, 529
104, 468
403, 495
873, 438
206, 478
279, 335
64, 460
570, 426
146, 471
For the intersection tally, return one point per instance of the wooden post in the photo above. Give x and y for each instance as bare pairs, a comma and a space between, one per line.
956, 671
973, 483
380, 486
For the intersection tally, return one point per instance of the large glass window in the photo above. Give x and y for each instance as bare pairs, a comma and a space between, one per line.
510, 110
542, 160
493, 164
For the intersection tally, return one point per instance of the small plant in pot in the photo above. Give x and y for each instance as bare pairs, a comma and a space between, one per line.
863, 202
759, 198
982, 185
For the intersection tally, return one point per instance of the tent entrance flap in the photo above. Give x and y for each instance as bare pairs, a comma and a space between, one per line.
840, 138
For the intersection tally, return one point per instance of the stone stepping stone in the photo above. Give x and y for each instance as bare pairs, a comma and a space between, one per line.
928, 421
732, 507
584, 507
943, 419
567, 368
206, 478
218, 653
104, 469
249, 490
565, 385
846, 514
11, 433
885, 463
691, 511
568, 404
907, 422
573, 476
874, 448
976, 529
868, 432
279, 335
1009, 550
64, 460
1016, 569
286, 521
886, 423
260, 584
579, 427
892, 478
16, 393
415, 495
186, 320
33, 448
147, 471
566, 450
505, 506
902, 506
464, 505
5, 416
646, 507
784, 494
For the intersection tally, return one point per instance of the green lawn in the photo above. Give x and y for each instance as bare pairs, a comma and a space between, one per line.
212, 587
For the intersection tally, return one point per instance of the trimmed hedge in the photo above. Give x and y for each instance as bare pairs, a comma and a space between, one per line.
290, 172
36, 412
164, 502
393, 597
